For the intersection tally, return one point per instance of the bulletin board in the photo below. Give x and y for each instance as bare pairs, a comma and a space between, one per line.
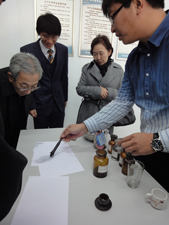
64, 11
93, 22
124, 50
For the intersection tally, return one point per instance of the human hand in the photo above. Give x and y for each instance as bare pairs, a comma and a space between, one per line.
104, 92
65, 104
137, 144
73, 131
33, 113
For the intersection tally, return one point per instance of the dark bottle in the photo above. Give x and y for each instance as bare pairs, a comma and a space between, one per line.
121, 158
100, 163
126, 161
111, 143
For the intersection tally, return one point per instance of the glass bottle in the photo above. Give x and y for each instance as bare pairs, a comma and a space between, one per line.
122, 156
100, 163
111, 143
95, 142
126, 160
116, 150
107, 136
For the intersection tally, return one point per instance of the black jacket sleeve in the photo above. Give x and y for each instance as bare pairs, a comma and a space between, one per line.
12, 164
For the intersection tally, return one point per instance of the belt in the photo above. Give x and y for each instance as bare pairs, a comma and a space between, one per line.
88, 99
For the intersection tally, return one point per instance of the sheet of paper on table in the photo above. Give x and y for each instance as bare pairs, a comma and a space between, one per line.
44, 201
63, 162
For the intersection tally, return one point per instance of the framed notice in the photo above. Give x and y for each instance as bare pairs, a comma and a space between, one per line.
64, 11
124, 50
93, 22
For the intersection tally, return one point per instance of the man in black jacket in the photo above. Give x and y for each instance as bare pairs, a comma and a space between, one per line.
16, 84
12, 164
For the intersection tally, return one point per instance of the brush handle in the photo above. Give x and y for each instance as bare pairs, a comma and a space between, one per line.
55, 148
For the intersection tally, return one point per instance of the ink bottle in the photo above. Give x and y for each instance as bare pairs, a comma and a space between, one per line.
116, 150
122, 156
100, 164
111, 143
126, 161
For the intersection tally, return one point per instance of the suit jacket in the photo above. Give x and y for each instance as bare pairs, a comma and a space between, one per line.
14, 117
53, 86
89, 84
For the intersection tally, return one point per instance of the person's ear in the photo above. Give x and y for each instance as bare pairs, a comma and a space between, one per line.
10, 77
110, 51
139, 6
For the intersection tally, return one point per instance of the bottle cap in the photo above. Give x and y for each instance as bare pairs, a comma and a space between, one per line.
113, 137
103, 202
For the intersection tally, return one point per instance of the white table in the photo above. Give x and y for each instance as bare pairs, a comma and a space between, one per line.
128, 205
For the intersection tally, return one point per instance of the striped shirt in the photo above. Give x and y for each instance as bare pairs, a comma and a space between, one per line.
145, 83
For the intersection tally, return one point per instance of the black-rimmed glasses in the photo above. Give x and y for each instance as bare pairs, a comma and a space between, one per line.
111, 18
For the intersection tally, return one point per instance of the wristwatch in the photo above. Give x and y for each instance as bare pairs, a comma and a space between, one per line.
156, 143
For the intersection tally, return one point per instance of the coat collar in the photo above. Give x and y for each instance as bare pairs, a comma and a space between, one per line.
95, 72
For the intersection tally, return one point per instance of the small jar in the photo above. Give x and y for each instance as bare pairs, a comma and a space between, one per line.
116, 150
126, 161
111, 143
122, 156
100, 163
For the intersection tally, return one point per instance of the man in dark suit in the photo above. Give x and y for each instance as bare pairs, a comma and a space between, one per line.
16, 83
49, 102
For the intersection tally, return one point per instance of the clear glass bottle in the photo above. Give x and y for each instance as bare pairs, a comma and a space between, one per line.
100, 163
107, 136
111, 143
116, 150
126, 160
95, 142
122, 156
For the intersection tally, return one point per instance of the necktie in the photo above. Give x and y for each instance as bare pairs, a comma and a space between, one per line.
50, 57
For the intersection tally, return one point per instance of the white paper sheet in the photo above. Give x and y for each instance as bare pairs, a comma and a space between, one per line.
44, 201
63, 162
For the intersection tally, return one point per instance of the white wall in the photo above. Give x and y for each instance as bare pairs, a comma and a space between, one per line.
17, 28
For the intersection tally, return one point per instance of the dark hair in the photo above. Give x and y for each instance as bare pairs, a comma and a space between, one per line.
106, 4
101, 39
49, 24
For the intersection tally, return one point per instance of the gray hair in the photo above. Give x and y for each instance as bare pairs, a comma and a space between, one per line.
25, 62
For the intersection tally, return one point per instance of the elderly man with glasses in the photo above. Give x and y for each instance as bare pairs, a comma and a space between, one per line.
16, 84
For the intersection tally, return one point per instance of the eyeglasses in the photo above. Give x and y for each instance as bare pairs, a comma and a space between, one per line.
46, 37
111, 18
31, 88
